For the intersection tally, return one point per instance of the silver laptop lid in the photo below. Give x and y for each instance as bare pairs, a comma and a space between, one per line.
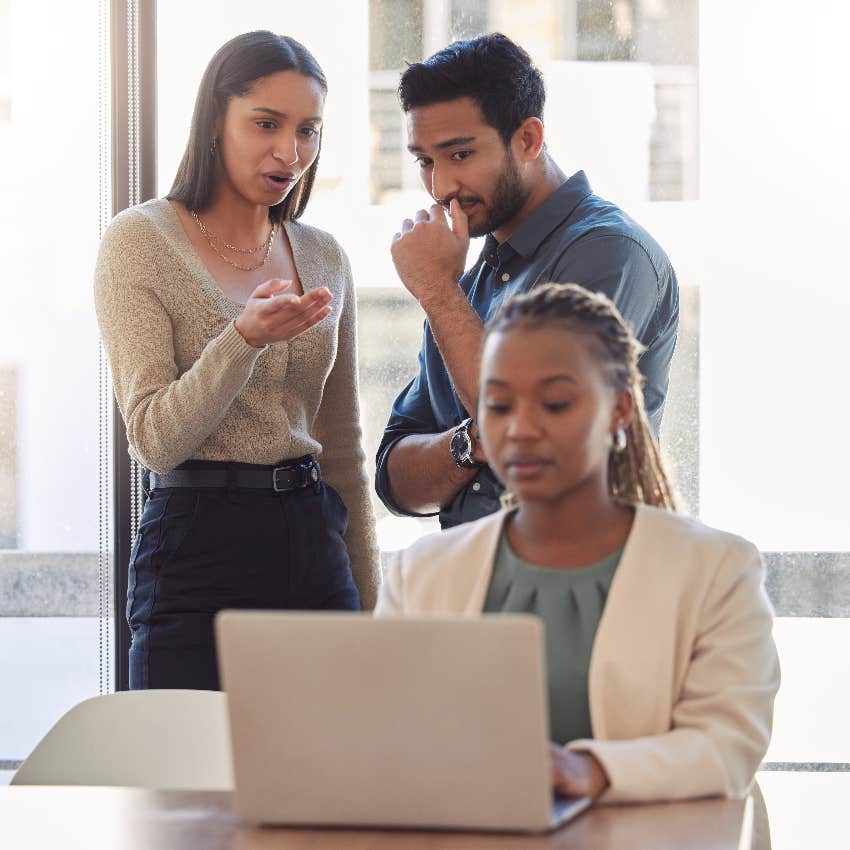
346, 719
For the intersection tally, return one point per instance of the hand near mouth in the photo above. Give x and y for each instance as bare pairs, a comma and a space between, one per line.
429, 252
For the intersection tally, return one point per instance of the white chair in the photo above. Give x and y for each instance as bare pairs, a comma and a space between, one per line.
163, 739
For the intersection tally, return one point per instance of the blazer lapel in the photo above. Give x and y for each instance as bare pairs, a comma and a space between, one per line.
482, 552
615, 631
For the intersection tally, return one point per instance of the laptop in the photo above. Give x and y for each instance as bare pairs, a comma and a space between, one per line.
341, 719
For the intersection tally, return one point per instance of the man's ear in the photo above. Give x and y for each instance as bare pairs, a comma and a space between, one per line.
527, 141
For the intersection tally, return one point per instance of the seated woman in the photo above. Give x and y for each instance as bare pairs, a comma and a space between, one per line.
661, 665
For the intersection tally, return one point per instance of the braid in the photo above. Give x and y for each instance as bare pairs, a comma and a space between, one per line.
637, 474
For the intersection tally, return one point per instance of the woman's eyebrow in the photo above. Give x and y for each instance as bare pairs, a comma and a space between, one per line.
267, 110
548, 380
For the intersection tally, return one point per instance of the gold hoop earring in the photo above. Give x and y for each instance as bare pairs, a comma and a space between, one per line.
619, 440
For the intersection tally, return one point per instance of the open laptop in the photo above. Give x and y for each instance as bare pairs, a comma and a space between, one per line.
342, 719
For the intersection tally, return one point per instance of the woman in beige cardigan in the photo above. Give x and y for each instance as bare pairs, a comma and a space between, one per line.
230, 328
662, 668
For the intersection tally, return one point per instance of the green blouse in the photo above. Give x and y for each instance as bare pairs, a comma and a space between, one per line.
570, 603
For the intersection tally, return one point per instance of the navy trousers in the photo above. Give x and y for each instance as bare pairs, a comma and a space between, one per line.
199, 550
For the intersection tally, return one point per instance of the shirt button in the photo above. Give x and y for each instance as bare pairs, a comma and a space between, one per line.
476, 486
505, 277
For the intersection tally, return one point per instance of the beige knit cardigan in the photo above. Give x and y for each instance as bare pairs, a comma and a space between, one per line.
189, 386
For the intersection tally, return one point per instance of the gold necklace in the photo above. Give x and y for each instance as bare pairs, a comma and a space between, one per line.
210, 235
213, 241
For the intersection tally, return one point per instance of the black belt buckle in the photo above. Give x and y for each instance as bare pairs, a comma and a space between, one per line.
307, 474
276, 485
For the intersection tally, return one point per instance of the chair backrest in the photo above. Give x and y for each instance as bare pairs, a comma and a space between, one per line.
163, 739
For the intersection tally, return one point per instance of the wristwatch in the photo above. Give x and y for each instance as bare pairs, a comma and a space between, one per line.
461, 446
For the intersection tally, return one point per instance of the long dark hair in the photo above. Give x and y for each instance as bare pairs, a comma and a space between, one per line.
636, 474
230, 73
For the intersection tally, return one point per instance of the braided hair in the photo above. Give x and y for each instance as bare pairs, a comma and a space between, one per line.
637, 473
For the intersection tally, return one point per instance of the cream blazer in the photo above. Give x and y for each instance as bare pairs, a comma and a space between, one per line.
683, 671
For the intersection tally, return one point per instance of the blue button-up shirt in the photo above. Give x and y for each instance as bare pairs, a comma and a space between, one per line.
574, 236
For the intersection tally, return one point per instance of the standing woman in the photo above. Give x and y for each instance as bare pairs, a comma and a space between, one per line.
661, 666
230, 330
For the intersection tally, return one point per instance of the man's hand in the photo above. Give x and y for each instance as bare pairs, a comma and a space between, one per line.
576, 774
429, 255
272, 314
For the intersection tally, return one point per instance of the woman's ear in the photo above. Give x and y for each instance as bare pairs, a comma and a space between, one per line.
624, 411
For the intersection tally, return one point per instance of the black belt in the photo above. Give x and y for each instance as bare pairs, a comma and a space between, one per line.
281, 479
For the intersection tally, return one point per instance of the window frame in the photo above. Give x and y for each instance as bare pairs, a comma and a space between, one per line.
133, 89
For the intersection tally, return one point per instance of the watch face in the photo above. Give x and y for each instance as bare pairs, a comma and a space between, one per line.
461, 446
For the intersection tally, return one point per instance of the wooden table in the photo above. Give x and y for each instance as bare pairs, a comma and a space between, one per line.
62, 818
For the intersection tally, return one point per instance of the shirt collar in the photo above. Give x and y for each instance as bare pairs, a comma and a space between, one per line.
527, 238
492, 251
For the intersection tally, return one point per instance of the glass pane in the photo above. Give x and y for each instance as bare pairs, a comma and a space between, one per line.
54, 168
813, 704
774, 413
395, 33
729, 148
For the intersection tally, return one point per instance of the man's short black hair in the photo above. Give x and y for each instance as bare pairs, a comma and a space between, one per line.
498, 74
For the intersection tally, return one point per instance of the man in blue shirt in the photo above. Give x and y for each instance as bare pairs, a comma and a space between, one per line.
474, 125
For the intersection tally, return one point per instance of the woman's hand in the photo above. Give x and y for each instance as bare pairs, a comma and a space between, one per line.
576, 774
272, 314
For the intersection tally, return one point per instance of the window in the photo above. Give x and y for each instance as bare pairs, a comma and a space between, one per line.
712, 137
717, 125
54, 396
